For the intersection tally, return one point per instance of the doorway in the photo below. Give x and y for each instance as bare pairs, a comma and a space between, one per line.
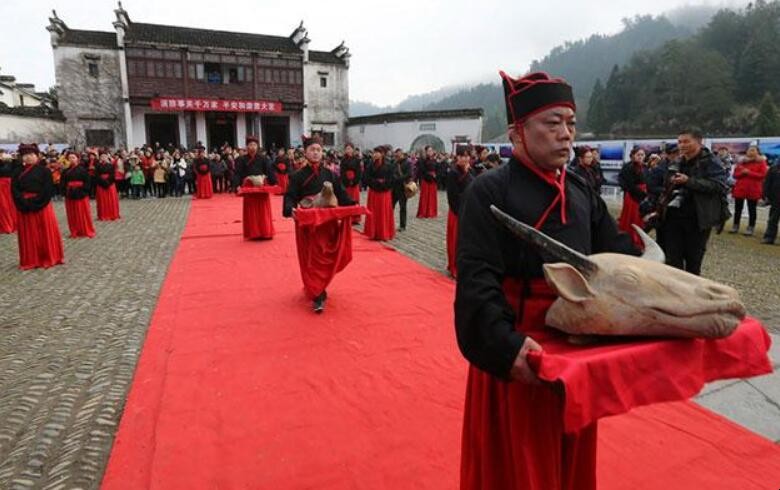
162, 129
221, 128
276, 132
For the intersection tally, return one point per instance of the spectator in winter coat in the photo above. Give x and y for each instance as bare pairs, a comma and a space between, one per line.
772, 196
749, 176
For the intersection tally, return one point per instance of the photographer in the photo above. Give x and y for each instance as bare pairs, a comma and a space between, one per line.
693, 203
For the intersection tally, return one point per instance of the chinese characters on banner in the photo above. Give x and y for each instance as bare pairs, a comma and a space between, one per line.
189, 104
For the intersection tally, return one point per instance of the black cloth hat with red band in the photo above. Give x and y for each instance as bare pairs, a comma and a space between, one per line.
311, 140
25, 148
532, 93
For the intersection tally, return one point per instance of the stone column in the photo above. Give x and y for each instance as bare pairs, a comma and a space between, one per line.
200, 128
182, 129
240, 129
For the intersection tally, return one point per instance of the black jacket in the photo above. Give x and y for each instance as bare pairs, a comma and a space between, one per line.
706, 187
772, 185
10, 168
593, 175
426, 170
304, 183
36, 180
75, 174
402, 175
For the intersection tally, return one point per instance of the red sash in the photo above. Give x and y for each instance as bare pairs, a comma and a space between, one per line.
76, 184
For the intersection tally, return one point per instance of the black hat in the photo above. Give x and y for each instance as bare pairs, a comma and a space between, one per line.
533, 93
311, 140
27, 148
252, 139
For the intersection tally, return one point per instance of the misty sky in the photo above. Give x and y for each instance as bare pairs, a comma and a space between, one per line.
398, 47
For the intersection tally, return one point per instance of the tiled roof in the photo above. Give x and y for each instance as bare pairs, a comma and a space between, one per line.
325, 57
89, 38
415, 116
186, 36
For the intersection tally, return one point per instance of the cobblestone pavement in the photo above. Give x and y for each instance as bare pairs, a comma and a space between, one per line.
737, 260
69, 342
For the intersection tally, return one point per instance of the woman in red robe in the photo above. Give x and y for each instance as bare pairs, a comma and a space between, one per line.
458, 178
204, 189
632, 181
282, 169
8, 168
256, 212
106, 196
75, 184
380, 177
426, 173
40, 242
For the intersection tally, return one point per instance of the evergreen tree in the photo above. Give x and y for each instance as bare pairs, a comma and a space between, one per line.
768, 121
596, 121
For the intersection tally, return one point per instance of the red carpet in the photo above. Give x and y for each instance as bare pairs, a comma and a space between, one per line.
240, 385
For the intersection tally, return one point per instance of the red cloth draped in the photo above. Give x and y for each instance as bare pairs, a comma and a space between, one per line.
79, 218
40, 243
204, 189
323, 237
452, 242
283, 180
630, 215
257, 218
107, 201
7, 207
428, 207
354, 193
380, 223
513, 435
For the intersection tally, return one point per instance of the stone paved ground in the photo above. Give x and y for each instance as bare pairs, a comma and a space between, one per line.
70, 337
69, 342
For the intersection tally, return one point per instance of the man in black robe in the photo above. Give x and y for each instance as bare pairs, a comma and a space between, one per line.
403, 176
524, 447
308, 182
254, 163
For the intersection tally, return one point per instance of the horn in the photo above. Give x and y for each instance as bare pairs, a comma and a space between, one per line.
548, 246
653, 251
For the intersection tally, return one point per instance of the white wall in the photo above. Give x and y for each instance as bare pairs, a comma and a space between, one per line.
16, 129
328, 108
402, 134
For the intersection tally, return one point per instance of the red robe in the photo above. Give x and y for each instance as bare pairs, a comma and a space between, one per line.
7, 207
77, 209
204, 188
40, 242
428, 207
630, 215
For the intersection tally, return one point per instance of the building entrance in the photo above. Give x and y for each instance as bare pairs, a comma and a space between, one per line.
276, 132
162, 129
221, 129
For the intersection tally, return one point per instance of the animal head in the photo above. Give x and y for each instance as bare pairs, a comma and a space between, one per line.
615, 294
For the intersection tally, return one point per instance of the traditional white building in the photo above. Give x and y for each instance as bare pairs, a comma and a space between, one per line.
414, 130
152, 83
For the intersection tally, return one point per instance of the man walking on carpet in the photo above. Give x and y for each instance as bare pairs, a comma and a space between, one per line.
323, 235
512, 434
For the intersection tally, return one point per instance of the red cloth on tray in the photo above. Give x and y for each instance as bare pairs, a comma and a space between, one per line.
616, 375
324, 240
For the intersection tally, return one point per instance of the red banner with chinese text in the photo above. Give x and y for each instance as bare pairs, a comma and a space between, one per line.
222, 105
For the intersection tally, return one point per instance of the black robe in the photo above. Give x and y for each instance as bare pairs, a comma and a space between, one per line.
104, 169
257, 165
488, 253
305, 183
202, 166
75, 174
427, 169
457, 182
380, 178
38, 180
10, 168
354, 165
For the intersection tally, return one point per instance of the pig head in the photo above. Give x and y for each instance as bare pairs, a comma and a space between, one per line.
615, 294
326, 198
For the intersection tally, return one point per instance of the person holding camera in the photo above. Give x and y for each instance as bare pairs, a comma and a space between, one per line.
693, 203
